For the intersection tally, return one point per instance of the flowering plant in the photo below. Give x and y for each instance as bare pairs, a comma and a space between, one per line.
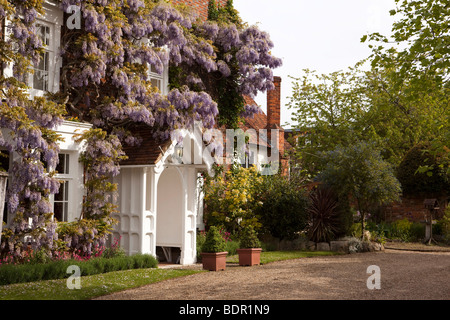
231, 199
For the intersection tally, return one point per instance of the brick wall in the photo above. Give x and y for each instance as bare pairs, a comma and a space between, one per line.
413, 209
199, 6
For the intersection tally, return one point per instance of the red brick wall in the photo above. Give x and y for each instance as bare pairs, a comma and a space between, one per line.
413, 209
200, 6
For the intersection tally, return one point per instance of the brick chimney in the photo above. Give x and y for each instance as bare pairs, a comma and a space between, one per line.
273, 105
274, 113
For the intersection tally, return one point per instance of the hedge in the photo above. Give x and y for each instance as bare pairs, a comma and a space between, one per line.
13, 273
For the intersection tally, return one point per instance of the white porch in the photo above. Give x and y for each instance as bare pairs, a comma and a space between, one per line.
158, 209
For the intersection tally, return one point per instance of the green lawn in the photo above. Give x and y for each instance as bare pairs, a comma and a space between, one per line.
271, 256
103, 284
91, 286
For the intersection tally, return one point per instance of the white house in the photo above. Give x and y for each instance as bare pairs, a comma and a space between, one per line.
160, 201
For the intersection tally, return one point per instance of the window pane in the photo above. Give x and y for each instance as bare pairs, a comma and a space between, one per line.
66, 191
156, 83
40, 76
4, 160
66, 167
58, 211
63, 165
61, 202
60, 195
41, 69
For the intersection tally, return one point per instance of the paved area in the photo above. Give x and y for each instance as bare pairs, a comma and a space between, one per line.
404, 275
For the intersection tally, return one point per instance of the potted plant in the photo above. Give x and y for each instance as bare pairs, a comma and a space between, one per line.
213, 253
250, 248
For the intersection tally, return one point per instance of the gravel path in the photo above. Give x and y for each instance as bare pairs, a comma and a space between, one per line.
405, 275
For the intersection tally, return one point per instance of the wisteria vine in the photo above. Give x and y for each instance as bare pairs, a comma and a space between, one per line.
27, 131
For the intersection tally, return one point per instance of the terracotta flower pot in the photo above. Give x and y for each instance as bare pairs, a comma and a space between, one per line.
214, 261
249, 257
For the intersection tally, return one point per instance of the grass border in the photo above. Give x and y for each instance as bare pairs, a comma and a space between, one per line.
93, 286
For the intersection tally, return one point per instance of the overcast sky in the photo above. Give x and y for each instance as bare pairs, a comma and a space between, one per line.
321, 35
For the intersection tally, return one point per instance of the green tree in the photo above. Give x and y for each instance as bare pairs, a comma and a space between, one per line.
327, 109
360, 172
284, 202
418, 55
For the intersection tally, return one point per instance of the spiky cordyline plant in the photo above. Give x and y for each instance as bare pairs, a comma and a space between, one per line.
324, 220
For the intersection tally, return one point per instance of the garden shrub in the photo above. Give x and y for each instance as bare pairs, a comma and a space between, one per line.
18, 273
414, 182
232, 198
416, 231
444, 226
283, 210
214, 242
401, 229
249, 238
231, 247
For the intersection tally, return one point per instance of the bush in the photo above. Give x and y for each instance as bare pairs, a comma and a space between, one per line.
214, 242
416, 231
249, 238
414, 182
444, 225
231, 199
283, 212
231, 247
18, 273
401, 229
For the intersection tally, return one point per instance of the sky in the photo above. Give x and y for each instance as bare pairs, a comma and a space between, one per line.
321, 35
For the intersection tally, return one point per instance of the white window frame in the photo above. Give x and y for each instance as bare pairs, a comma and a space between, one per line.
163, 78
65, 177
53, 19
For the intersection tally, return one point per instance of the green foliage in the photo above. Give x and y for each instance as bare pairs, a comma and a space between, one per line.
444, 224
11, 273
327, 109
415, 182
401, 229
419, 68
214, 242
231, 199
230, 101
283, 211
232, 246
249, 238
360, 172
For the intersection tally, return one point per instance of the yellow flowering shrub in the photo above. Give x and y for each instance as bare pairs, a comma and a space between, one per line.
232, 198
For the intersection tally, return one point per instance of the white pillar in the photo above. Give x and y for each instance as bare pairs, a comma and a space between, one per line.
188, 251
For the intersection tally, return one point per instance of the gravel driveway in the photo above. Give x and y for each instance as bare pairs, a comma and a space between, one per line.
404, 275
